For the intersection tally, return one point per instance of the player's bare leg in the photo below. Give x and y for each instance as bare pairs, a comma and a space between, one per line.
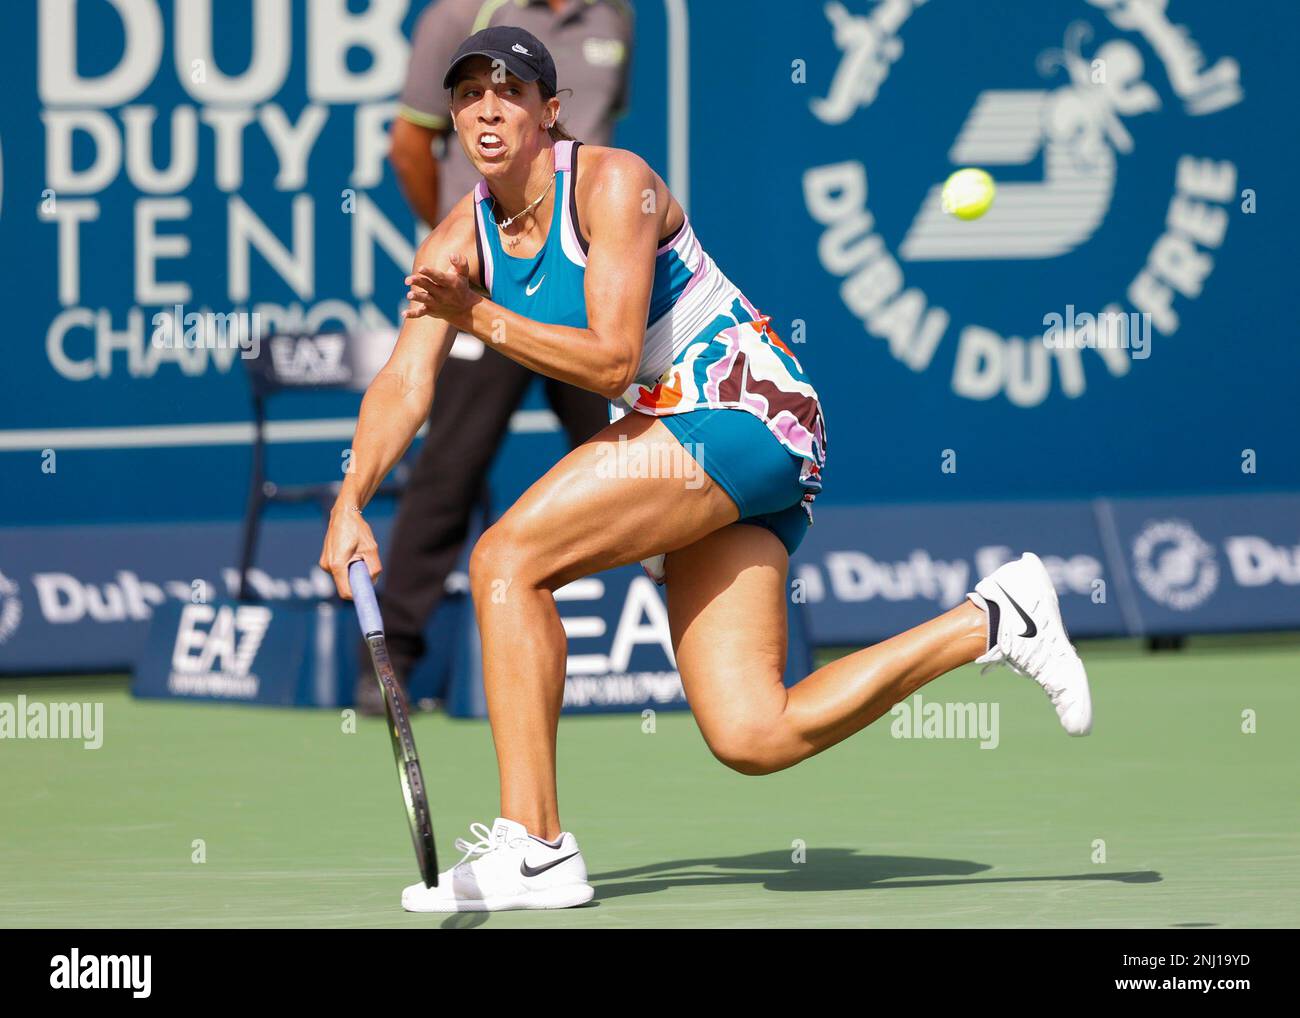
584, 515
581, 517
727, 606
726, 596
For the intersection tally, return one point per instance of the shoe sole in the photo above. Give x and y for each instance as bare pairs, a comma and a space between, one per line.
569, 896
1059, 619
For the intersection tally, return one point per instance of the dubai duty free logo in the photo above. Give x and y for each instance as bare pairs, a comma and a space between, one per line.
1174, 564
11, 608
1072, 123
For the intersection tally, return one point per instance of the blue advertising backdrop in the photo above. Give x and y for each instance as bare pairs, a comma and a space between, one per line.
231, 157
139, 172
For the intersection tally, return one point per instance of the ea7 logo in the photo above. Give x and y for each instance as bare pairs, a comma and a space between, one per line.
221, 639
310, 360
74, 971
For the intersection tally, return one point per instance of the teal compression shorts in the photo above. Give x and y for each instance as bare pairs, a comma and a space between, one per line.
745, 459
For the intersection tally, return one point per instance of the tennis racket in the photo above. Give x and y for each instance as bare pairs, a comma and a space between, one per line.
399, 725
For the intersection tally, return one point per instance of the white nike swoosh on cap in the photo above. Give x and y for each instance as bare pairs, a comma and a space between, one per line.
520, 49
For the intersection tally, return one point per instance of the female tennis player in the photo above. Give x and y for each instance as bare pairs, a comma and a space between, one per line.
578, 263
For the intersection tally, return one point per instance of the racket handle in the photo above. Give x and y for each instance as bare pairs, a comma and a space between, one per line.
363, 596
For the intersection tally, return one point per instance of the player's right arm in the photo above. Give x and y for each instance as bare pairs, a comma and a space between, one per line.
396, 404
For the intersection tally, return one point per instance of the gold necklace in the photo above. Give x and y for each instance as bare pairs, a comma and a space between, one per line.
503, 226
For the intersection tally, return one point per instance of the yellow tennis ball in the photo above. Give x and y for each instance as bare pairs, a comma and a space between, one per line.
968, 193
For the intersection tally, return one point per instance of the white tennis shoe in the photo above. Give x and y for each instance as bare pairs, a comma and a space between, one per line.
1026, 633
506, 868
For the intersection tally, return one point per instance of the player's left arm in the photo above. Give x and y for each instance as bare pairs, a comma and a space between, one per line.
604, 356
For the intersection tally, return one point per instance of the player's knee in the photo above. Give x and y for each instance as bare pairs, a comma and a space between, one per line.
500, 559
748, 747
491, 563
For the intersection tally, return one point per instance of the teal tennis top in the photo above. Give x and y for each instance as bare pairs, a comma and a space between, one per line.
706, 345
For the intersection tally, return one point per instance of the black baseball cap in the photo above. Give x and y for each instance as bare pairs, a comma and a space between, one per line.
521, 52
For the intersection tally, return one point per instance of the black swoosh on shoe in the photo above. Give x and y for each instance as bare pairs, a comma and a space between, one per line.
532, 871
1030, 628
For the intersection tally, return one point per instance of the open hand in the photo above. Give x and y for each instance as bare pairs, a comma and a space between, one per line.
441, 293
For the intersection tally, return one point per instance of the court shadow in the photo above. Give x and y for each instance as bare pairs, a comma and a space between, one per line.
825, 869
465, 920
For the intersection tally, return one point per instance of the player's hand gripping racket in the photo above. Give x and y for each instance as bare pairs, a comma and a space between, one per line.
399, 725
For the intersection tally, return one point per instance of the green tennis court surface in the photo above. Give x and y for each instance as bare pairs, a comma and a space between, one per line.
300, 822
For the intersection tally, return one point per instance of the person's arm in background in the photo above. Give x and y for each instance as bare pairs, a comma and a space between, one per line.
410, 150
422, 114
622, 100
